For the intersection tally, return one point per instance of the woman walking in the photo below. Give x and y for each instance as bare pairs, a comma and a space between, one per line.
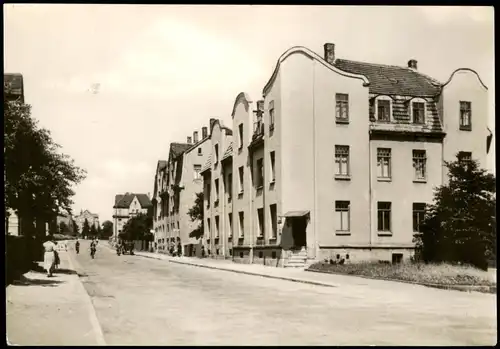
49, 255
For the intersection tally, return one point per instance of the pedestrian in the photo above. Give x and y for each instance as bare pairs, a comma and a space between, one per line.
57, 261
202, 251
77, 246
179, 249
49, 255
93, 249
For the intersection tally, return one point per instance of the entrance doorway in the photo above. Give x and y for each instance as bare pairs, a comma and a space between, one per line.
299, 225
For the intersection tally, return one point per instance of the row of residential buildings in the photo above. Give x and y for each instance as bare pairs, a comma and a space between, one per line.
337, 160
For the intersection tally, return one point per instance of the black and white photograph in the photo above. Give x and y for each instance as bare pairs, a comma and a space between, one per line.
212, 175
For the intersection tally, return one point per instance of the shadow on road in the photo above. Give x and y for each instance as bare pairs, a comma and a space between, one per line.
24, 281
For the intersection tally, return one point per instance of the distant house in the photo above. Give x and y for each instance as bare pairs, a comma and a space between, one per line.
92, 218
68, 220
127, 206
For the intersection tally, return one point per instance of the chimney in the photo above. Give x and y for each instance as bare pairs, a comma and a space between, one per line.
204, 132
212, 120
195, 137
412, 64
189, 140
329, 52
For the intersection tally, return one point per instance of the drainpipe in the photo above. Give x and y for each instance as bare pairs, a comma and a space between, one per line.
370, 187
315, 213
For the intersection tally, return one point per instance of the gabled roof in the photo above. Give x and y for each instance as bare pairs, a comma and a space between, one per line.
229, 152
208, 164
177, 149
126, 200
392, 80
162, 164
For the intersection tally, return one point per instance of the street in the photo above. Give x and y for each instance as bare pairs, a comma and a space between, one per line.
142, 301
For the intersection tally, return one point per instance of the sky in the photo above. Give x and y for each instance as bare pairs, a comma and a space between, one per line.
161, 71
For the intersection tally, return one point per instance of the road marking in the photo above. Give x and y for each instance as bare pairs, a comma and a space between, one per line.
92, 314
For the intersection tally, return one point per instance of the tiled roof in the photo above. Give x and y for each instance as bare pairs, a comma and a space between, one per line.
228, 152
162, 164
177, 149
392, 80
13, 84
127, 199
208, 164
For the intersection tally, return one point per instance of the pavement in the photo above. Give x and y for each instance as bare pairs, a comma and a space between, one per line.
51, 311
146, 301
296, 274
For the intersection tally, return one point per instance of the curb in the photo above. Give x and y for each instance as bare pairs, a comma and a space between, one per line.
245, 272
92, 314
462, 288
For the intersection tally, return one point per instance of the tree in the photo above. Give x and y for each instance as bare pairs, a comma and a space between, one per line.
196, 215
86, 228
38, 179
460, 226
76, 230
137, 228
93, 231
107, 229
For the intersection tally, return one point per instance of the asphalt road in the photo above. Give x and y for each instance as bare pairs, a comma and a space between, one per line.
142, 301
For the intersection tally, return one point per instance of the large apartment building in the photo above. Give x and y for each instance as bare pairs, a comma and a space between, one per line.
92, 219
338, 159
177, 181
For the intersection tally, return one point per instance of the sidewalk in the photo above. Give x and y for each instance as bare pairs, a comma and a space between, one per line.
51, 311
299, 275
290, 274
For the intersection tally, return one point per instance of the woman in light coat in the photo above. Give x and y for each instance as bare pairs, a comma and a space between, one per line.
49, 256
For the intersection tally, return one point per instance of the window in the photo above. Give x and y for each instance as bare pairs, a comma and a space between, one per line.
240, 175
216, 191
419, 162
464, 157
260, 173
418, 215
241, 219
216, 154
197, 170
418, 109
383, 163
200, 152
260, 217
229, 186
384, 216
397, 258
230, 223
274, 221
273, 173
342, 108
465, 116
240, 133
208, 227
342, 216
217, 226
208, 193
384, 110
271, 115
342, 160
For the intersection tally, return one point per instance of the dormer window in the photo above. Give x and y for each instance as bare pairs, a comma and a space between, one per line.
384, 110
418, 112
